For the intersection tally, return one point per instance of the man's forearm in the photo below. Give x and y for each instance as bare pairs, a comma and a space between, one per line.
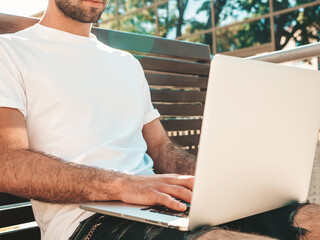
172, 159
37, 176
40, 177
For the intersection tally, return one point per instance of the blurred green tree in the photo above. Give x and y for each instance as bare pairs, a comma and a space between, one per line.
302, 25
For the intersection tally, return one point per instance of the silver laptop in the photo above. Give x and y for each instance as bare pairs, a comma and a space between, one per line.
257, 145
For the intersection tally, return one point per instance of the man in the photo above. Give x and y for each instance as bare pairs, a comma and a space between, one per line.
76, 121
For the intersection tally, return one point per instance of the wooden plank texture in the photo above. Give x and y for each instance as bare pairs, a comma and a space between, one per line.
176, 80
154, 45
181, 124
6, 198
173, 66
180, 109
11, 23
177, 96
16, 216
26, 234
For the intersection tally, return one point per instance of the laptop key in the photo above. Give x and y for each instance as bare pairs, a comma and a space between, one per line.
167, 211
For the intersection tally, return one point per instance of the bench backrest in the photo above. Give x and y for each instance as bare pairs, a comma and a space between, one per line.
177, 73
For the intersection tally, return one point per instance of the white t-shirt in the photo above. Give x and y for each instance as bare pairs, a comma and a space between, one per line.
83, 102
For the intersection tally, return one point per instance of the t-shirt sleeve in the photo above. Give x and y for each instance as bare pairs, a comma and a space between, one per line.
12, 94
150, 113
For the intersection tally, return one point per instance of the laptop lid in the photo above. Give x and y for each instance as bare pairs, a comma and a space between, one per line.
258, 139
257, 144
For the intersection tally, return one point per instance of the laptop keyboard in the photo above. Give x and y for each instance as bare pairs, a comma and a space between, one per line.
167, 211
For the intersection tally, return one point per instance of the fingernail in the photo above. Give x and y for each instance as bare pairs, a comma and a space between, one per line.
182, 206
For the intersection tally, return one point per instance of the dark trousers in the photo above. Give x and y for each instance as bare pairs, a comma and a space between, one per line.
276, 223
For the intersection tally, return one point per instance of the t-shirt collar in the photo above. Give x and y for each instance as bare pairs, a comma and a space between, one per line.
59, 35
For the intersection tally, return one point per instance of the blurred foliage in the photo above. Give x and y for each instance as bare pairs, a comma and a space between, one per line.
301, 25
174, 20
244, 35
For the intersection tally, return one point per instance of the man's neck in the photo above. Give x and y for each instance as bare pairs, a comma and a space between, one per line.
54, 18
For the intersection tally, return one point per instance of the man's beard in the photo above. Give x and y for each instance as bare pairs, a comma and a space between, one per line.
72, 9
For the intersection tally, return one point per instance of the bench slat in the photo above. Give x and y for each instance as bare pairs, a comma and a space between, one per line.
17, 228
14, 216
14, 206
181, 124
177, 96
6, 198
11, 23
179, 109
188, 140
28, 231
154, 45
173, 66
176, 80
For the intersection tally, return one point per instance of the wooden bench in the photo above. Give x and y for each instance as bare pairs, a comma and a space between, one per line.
177, 73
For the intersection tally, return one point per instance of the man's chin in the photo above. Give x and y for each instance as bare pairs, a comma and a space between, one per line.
86, 21
93, 18
86, 11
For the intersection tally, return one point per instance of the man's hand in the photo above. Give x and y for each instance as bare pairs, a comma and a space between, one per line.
158, 189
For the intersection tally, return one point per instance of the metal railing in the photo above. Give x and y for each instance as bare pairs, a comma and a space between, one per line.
294, 54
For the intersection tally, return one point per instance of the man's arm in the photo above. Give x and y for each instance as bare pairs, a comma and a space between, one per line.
167, 156
38, 176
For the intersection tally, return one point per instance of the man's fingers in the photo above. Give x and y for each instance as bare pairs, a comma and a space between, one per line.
170, 202
159, 189
177, 192
182, 180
